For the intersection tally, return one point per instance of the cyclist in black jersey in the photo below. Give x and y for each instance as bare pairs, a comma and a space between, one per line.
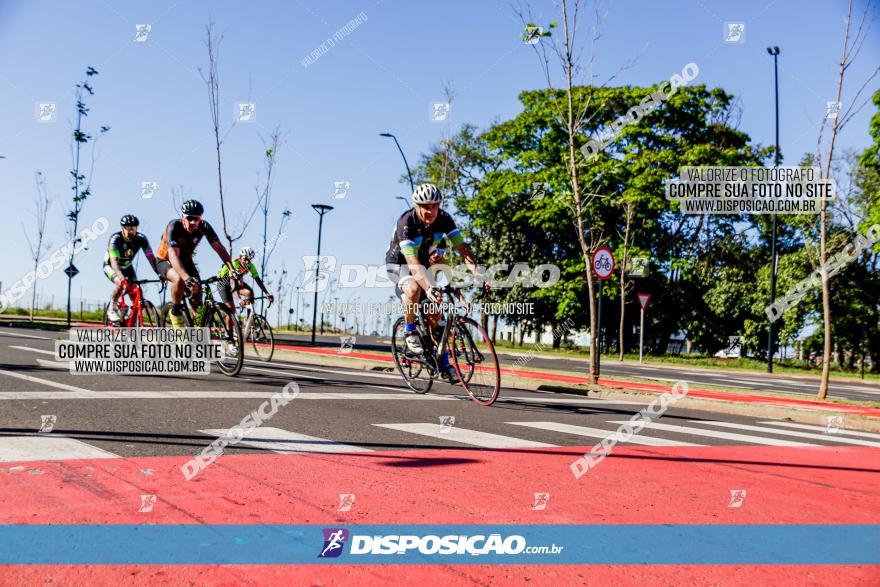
179, 241
122, 248
410, 251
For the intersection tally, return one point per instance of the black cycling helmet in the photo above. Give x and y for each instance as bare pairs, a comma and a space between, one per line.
192, 208
129, 220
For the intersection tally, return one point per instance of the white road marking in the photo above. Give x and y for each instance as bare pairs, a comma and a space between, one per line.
296, 374
284, 441
811, 435
42, 381
4, 333
60, 365
357, 372
48, 447
465, 436
718, 434
599, 433
86, 394
27, 348
822, 429
578, 401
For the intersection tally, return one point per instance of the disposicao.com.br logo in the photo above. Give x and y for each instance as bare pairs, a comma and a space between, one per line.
452, 544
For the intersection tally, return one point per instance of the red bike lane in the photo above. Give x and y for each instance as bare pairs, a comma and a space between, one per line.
634, 485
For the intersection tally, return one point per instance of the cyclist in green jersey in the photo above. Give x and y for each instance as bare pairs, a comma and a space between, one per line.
232, 279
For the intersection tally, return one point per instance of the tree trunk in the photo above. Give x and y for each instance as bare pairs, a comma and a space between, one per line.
494, 328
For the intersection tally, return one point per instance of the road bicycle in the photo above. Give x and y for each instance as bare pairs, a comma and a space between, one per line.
141, 314
223, 323
472, 353
256, 330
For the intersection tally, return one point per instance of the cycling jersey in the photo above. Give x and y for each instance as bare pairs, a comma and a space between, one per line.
239, 269
412, 237
175, 235
125, 251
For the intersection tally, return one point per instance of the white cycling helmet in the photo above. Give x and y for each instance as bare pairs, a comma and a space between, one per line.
247, 253
426, 193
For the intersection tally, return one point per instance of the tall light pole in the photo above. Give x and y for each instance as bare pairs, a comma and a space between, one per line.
321, 209
412, 186
774, 51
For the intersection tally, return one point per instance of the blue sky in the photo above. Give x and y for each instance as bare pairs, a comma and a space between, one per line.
382, 77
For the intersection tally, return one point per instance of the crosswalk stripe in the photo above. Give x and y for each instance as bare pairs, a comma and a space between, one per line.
284, 441
465, 436
599, 433
718, 434
48, 447
822, 429
357, 372
60, 365
41, 381
812, 435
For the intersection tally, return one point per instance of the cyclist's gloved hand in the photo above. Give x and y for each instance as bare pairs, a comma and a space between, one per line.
123, 283
270, 297
192, 284
435, 294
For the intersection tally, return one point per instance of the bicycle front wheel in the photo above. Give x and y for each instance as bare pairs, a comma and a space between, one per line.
261, 338
149, 315
415, 371
226, 331
473, 356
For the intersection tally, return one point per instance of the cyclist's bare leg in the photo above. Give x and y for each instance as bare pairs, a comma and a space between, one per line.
411, 292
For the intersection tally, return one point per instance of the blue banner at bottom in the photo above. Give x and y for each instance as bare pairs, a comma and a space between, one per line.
177, 544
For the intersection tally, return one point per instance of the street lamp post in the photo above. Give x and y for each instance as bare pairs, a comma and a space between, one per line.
412, 186
774, 51
321, 209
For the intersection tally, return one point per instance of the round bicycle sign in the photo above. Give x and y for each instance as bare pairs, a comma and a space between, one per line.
603, 262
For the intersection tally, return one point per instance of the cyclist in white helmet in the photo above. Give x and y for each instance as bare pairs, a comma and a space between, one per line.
409, 253
232, 280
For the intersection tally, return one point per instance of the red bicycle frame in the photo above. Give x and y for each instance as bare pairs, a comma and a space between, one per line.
135, 318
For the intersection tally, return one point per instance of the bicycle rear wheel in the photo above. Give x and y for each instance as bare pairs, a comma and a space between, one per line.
415, 371
226, 331
478, 369
261, 338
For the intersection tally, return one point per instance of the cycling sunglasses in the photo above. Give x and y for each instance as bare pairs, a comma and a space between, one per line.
193, 218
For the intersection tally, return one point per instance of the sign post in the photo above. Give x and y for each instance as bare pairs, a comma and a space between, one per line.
603, 265
643, 302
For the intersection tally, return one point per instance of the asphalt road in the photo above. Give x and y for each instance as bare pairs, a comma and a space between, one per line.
854, 389
338, 410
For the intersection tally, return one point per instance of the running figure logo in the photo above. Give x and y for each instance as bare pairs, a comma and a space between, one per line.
147, 503
317, 278
734, 32
833, 424
47, 423
737, 498
334, 540
541, 500
346, 500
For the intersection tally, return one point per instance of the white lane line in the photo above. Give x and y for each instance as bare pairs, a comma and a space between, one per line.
86, 394
284, 441
579, 401
4, 333
27, 348
60, 365
48, 447
811, 435
599, 433
296, 374
464, 436
42, 381
822, 429
718, 434
356, 372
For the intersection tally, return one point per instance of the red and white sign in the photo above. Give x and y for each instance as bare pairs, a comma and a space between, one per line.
643, 300
603, 262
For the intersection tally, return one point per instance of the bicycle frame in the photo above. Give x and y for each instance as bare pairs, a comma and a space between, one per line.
448, 314
135, 318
